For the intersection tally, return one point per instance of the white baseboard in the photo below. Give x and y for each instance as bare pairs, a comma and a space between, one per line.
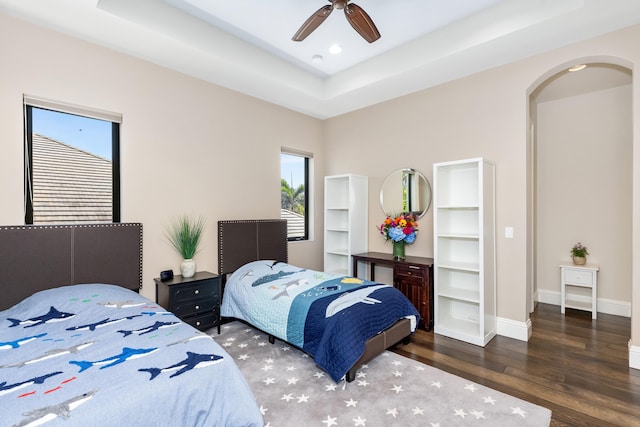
522, 331
617, 308
607, 306
634, 356
512, 329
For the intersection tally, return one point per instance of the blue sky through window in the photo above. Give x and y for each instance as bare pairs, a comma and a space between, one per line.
91, 135
292, 169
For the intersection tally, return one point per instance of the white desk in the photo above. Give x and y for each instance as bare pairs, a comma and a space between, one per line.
579, 276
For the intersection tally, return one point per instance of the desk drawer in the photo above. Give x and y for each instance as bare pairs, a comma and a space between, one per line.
409, 271
582, 277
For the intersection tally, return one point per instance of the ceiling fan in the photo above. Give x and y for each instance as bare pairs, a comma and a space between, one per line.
358, 18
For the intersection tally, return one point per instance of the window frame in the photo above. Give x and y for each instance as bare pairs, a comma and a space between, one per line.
307, 191
114, 118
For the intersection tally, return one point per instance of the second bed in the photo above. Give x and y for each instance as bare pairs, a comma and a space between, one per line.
341, 321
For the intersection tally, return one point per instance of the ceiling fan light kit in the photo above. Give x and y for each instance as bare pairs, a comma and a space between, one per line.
357, 17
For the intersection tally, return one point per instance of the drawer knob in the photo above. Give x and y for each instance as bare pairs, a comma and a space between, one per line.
197, 307
198, 323
197, 291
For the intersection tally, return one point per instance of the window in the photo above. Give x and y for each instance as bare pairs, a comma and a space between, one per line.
294, 193
71, 164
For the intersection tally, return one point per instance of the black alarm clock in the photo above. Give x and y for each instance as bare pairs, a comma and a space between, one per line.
166, 275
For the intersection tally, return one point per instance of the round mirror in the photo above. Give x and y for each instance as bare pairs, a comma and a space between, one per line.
405, 190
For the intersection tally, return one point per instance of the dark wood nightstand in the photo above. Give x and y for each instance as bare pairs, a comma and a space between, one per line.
413, 276
195, 300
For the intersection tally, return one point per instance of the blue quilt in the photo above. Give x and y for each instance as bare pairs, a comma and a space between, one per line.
89, 355
328, 316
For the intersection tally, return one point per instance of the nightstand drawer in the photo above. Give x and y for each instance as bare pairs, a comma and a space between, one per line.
194, 307
581, 277
201, 290
204, 321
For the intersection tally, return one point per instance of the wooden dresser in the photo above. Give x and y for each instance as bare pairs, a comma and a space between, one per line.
413, 276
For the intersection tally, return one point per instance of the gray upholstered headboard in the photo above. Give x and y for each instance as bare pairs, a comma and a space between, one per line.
243, 241
38, 257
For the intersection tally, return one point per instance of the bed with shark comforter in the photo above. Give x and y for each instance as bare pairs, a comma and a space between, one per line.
342, 322
328, 316
92, 355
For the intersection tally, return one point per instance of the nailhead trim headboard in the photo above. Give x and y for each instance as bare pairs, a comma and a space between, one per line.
243, 241
38, 257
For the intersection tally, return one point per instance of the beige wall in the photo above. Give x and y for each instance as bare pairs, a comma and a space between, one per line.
189, 142
483, 115
186, 146
449, 122
584, 160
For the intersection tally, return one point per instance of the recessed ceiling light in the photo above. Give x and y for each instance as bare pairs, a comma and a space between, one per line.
335, 49
577, 68
316, 59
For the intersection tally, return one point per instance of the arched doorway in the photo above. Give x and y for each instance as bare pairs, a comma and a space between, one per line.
580, 174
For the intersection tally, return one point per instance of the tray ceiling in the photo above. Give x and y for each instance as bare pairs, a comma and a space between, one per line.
246, 45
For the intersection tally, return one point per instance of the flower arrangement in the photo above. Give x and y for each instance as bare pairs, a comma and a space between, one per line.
579, 250
402, 228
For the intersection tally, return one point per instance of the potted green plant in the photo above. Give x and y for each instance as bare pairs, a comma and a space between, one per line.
579, 254
184, 234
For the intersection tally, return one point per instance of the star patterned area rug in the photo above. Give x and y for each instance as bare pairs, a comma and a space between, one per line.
391, 390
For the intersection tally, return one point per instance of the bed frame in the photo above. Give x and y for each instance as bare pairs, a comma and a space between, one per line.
38, 257
243, 241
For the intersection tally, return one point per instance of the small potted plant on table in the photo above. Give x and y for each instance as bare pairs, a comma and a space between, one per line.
184, 233
579, 254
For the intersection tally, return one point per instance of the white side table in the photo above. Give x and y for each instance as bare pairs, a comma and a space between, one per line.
579, 276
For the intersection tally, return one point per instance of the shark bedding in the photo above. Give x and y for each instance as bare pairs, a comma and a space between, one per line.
91, 355
328, 316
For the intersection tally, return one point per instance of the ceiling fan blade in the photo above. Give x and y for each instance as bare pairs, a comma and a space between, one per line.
312, 23
361, 22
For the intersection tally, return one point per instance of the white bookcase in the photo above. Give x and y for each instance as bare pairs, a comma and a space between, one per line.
464, 250
346, 204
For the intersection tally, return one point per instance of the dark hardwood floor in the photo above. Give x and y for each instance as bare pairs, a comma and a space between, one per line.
573, 365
